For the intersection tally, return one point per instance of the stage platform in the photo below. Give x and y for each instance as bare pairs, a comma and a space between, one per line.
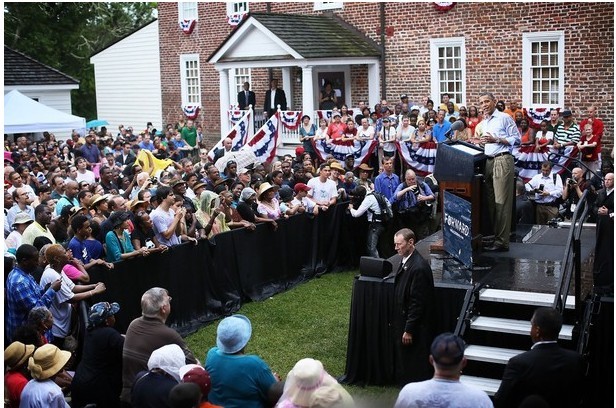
532, 264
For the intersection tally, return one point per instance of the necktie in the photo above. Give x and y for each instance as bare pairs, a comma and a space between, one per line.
246, 94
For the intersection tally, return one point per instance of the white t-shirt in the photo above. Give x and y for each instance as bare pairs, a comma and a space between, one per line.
322, 192
161, 221
60, 307
440, 393
88, 177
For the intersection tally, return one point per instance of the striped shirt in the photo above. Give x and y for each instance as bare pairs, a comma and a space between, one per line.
565, 135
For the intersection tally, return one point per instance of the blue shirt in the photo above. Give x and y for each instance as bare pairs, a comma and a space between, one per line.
22, 295
386, 185
91, 153
439, 132
238, 380
85, 250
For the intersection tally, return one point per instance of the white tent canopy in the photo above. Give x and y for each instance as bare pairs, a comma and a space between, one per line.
25, 115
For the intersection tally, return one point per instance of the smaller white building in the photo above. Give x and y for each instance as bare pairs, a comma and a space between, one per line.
127, 77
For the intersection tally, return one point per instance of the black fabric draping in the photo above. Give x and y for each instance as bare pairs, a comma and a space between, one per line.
213, 279
370, 348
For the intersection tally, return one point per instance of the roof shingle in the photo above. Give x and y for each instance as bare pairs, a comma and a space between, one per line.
19, 69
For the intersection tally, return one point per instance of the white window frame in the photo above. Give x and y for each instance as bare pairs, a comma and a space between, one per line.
183, 6
527, 78
231, 7
184, 58
435, 85
328, 5
235, 84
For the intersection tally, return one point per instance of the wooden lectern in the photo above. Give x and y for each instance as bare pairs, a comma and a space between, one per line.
459, 169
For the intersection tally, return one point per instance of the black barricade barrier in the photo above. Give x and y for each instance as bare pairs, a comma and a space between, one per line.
215, 277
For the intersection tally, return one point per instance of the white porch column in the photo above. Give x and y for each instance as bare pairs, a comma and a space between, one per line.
308, 93
224, 101
373, 84
287, 86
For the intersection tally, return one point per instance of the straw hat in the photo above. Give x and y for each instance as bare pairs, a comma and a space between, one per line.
97, 198
365, 167
47, 361
304, 379
336, 166
265, 187
133, 203
16, 354
233, 333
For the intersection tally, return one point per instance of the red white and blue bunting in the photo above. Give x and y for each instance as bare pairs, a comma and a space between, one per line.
290, 119
264, 142
191, 111
536, 116
235, 114
340, 150
238, 134
188, 26
235, 18
419, 156
327, 115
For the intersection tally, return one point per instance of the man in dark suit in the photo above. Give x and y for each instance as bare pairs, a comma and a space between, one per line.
273, 98
126, 158
246, 97
546, 370
415, 307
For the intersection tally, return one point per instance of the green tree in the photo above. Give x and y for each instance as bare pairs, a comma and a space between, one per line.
65, 35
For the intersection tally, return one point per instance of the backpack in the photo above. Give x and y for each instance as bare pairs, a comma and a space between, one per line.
386, 212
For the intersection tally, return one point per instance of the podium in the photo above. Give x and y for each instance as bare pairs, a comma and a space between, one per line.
459, 170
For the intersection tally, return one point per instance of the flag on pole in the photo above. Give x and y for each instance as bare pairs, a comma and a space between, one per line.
238, 134
265, 141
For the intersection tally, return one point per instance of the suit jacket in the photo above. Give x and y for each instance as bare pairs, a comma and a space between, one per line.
130, 159
548, 370
241, 100
279, 99
414, 313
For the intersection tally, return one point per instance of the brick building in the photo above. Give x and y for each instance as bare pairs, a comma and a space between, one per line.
540, 54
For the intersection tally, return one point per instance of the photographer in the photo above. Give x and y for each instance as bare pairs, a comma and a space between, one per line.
548, 189
369, 203
412, 202
572, 191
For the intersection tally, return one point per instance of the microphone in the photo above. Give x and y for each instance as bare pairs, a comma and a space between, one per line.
459, 124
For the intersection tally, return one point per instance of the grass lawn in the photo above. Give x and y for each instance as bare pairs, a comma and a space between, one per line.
310, 320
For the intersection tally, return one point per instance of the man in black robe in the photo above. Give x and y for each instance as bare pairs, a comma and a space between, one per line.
604, 250
414, 311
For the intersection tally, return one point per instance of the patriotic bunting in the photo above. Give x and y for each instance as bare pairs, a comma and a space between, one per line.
191, 111
290, 119
327, 114
235, 18
536, 116
188, 26
235, 115
239, 134
340, 150
420, 157
265, 141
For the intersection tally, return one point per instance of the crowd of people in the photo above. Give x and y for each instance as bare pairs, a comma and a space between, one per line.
98, 199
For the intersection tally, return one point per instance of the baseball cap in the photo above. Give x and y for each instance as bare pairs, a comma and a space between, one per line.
301, 187
403, 96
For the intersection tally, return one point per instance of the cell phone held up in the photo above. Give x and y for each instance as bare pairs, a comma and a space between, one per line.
540, 189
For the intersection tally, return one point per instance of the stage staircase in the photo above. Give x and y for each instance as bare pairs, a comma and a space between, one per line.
502, 317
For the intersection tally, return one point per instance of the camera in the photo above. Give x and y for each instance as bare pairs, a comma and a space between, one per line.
571, 182
153, 180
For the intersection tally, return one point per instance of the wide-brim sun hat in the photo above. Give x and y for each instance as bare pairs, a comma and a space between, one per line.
22, 218
16, 354
47, 361
304, 379
265, 187
233, 333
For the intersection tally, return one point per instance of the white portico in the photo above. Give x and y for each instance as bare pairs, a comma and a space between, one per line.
316, 44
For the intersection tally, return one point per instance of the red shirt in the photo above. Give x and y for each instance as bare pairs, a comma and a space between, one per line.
597, 129
14, 383
336, 130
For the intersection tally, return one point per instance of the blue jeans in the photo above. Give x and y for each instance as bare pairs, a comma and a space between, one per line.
375, 229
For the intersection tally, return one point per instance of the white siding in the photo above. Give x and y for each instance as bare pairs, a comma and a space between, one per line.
60, 100
127, 76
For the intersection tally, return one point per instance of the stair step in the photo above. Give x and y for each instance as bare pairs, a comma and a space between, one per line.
521, 327
522, 298
490, 354
489, 385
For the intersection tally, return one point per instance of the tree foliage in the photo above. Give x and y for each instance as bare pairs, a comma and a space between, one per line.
65, 35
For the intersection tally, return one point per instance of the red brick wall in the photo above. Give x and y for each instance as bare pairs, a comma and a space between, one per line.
493, 34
